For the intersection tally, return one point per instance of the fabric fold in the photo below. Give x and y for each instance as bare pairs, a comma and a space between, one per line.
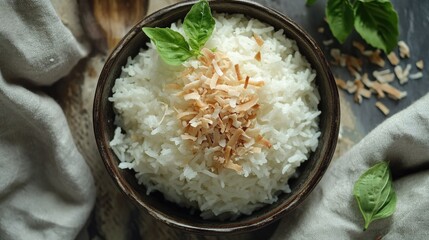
46, 187
331, 211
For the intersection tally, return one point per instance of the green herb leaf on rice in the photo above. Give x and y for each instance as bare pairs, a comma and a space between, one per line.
377, 22
375, 194
339, 15
171, 45
199, 24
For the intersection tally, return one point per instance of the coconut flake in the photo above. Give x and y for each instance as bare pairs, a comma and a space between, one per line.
258, 56
384, 76
217, 68
420, 64
219, 109
402, 74
258, 39
328, 42
416, 75
393, 59
382, 108
376, 58
404, 50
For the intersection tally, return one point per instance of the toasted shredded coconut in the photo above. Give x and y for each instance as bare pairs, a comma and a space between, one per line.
258, 39
382, 108
328, 42
404, 50
420, 64
416, 75
376, 58
393, 59
235, 107
258, 56
402, 74
359, 46
384, 76
237, 71
246, 82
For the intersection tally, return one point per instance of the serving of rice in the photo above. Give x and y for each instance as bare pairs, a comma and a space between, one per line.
152, 140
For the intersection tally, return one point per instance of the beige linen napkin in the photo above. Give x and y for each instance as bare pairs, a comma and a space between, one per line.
331, 212
46, 188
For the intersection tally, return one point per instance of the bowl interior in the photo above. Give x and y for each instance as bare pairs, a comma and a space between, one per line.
310, 172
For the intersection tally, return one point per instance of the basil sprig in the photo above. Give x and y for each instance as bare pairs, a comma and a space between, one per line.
339, 15
376, 21
375, 194
171, 45
198, 26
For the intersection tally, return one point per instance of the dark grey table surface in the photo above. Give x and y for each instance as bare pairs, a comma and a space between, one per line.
413, 29
115, 218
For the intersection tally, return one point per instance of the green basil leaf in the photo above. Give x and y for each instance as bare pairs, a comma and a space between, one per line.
310, 2
171, 45
375, 194
377, 23
388, 208
199, 24
339, 15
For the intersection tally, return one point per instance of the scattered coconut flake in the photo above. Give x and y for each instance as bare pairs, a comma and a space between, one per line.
373, 85
384, 76
349, 86
404, 50
416, 75
420, 64
361, 91
393, 59
354, 65
365, 80
362, 86
402, 74
336, 54
321, 30
359, 46
382, 108
378, 89
328, 42
376, 58
392, 92
368, 53
341, 83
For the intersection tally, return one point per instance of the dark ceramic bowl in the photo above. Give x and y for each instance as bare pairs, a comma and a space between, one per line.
310, 172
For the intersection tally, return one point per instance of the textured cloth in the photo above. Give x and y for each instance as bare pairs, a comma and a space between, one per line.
46, 188
331, 211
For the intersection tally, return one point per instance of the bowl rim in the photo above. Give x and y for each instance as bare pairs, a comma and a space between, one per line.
227, 227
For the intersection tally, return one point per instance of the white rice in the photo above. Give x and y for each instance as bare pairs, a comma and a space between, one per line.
147, 139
